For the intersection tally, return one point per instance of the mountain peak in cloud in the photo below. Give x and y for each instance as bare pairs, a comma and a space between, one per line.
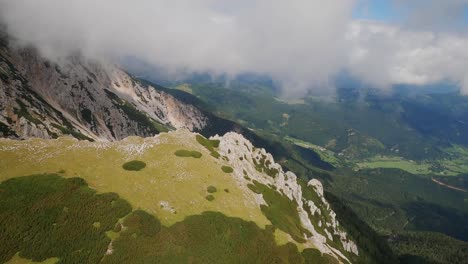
301, 44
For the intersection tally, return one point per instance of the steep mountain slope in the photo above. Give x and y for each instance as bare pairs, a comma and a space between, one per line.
96, 101
172, 181
82, 98
366, 139
174, 193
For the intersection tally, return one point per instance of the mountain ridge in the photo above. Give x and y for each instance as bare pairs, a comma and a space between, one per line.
305, 218
89, 99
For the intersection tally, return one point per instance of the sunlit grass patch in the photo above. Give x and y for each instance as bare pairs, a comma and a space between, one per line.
396, 162
163, 176
19, 260
325, 154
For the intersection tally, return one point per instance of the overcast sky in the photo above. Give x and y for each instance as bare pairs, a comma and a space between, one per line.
302, 44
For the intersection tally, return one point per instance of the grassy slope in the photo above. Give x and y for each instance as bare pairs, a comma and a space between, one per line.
182, 182
165, 177
19, 260
48, 219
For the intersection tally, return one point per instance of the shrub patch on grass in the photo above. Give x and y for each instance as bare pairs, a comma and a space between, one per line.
263, 165
134, 165
281, 211
227, 169
210, 198
209, 144
188, 153
314, 256
211, 189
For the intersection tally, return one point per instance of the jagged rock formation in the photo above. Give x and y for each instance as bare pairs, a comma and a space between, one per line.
86, 99
250, 163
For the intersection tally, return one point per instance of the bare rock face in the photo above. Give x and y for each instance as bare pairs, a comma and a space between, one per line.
85, 99
261, 167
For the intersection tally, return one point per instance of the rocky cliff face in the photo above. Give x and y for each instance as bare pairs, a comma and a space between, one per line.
322, 230
86, 99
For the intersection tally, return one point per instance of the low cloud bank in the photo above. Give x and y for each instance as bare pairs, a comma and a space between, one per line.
301, 44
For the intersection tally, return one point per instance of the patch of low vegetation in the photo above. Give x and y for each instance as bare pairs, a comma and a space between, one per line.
281, 211
188, 153
71, 132
211, 145
314, 256
324, 154
201, 238
309, 194
5, 131
46, 216
184, 87
227, 169
134, 165
210, 197
161, 127
263, 165
211, 189
23, 112
140, 118
87, 115
395, 162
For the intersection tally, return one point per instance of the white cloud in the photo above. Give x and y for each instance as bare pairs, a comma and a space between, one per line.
298, 42
383, 55
302, 44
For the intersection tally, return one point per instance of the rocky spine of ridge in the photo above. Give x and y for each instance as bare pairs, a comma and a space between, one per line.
82, 98
244, 158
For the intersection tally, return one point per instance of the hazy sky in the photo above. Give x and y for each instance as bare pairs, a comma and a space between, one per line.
302, 44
